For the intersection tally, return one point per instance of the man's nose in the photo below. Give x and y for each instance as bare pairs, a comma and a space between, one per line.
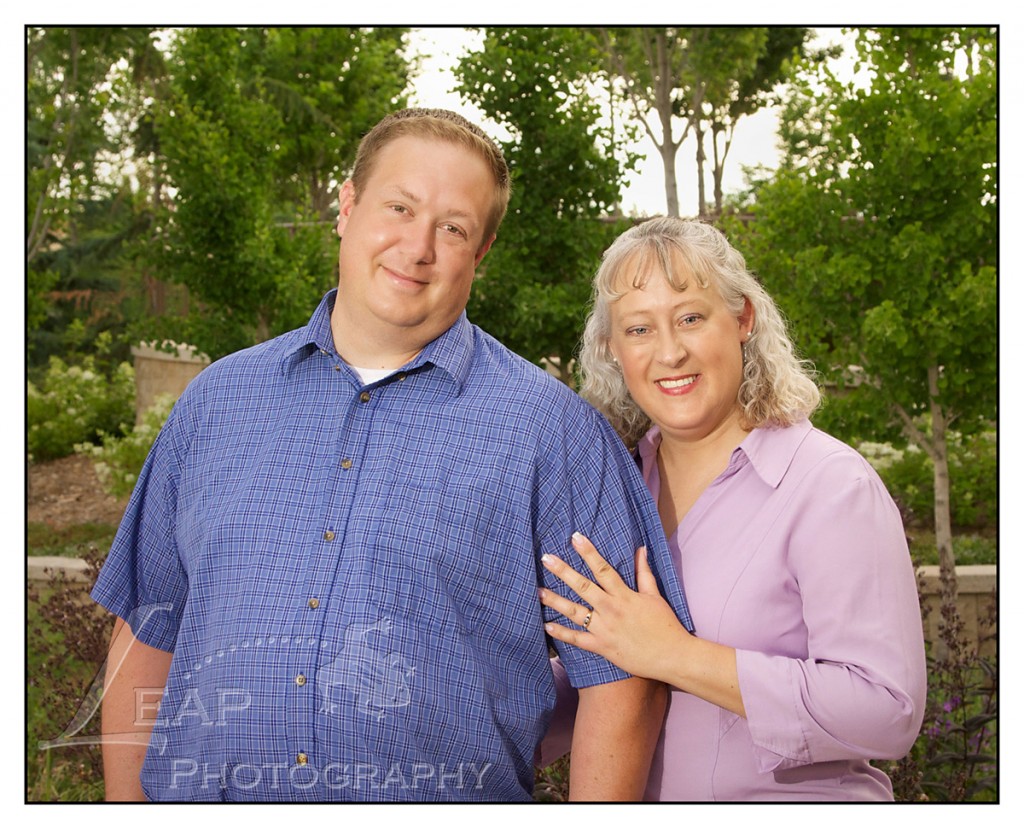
419, 242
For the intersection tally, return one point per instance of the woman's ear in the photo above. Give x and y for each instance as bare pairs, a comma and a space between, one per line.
747, 321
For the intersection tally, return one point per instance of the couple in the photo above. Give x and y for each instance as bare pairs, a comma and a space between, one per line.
341, 533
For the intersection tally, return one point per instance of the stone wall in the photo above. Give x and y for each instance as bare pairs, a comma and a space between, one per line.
976, 591
161, 372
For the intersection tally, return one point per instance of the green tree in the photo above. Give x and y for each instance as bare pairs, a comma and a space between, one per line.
879, 239
82, 212
535, 284
258, 129
751, 88
705, 78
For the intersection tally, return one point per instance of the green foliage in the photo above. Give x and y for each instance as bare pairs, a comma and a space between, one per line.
119, 458
76, 404
535, 282
878, 236
84, 214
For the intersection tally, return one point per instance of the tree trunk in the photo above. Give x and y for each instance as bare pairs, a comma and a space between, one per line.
702, 201
668, 159
940, 461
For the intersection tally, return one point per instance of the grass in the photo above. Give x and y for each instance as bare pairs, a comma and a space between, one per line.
70, 542
968, 548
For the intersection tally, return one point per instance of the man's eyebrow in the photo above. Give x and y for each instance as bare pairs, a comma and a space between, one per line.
405, 194
398, 190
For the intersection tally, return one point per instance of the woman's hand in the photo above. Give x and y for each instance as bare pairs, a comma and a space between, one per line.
636, 630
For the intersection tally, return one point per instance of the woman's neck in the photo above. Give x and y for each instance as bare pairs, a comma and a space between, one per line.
688, 467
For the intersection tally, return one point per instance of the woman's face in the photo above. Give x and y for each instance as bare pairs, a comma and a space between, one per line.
681, 355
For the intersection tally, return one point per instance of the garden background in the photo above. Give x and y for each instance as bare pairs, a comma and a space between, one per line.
182, 185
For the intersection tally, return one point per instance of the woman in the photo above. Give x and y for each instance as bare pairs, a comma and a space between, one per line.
808, 658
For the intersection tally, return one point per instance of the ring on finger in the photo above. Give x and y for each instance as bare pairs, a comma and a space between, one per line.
586, 620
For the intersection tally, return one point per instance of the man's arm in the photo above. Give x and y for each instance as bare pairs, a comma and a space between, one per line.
617, 728
134, 671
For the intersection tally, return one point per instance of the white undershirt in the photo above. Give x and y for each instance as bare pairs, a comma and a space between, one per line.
372, 375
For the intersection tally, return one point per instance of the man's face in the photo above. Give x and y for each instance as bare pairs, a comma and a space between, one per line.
411, 240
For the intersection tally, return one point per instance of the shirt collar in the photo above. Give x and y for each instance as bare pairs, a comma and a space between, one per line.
452, 351
770, 450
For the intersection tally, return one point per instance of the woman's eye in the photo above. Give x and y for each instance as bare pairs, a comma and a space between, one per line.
638, 330
690, 319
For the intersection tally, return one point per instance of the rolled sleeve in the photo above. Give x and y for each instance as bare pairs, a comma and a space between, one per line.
860, 690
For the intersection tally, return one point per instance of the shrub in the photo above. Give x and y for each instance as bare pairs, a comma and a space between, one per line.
909, 477
76, 404
120, 457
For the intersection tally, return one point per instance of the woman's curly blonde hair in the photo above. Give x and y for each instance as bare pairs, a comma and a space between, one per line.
778, 388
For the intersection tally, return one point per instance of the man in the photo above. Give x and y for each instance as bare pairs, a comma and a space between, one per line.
331, 558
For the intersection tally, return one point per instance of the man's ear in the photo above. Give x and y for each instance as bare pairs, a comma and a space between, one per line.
346, 201
482, 252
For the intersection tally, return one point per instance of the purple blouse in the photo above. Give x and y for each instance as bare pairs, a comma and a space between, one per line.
795, 556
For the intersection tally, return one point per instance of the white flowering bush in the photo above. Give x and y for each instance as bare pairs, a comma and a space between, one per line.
76, 404
119, 458
880, 455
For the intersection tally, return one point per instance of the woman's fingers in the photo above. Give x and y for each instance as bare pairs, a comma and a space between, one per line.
584, 587
604, 574
645, 580
570, 610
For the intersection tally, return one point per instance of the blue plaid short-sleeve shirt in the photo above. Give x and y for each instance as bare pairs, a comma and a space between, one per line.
347, 575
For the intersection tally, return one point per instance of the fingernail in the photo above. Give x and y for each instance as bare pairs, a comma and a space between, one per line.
577, 538
547, 558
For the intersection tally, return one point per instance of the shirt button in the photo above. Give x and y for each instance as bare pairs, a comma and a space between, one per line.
328, 536
302, 758
314, 603
346, 463
300, 680
364, 397
402, 376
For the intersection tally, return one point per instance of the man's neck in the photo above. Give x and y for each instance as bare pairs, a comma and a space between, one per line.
367, 346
